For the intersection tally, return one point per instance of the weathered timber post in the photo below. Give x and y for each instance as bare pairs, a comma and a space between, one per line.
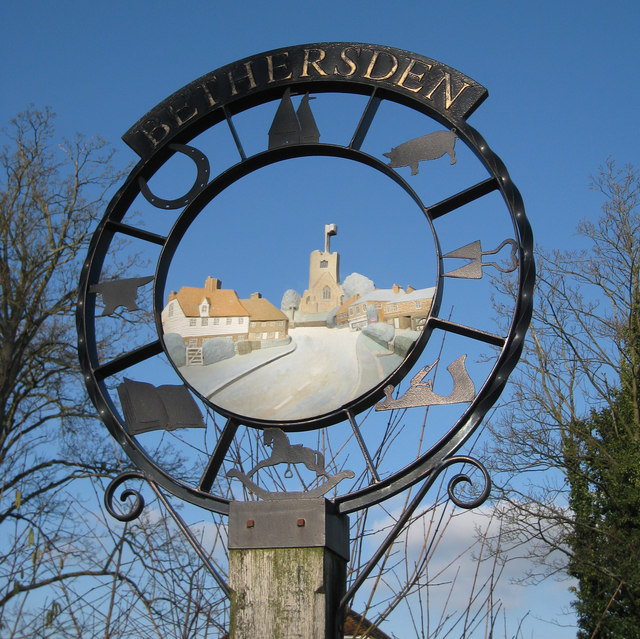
287, 569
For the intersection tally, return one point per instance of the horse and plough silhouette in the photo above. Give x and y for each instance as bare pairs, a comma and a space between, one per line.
283, 452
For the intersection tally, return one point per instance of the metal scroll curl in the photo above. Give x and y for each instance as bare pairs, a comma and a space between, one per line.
463, 478
136, 507
410, 508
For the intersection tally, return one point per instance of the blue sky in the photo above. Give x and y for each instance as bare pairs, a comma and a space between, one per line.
561, 76
562, 80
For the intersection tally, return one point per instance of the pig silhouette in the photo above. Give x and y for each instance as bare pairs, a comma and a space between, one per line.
427, 147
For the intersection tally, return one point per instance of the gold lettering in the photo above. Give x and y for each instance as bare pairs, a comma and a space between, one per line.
183, 113
247, 76
350, 63
313, 63
271, 67
448, 100
372, 64
208, 93
155, 131
409, 75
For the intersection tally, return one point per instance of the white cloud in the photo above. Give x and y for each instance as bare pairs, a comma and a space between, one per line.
460, 568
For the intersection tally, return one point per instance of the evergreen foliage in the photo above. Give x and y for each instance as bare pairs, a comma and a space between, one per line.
604, 473
567, 452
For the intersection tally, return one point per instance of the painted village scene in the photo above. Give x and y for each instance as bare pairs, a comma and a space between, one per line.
300, 356
305, 354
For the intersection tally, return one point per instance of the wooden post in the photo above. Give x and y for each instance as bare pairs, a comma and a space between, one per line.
287, 569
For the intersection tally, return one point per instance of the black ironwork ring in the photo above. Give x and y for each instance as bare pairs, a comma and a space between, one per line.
381, 73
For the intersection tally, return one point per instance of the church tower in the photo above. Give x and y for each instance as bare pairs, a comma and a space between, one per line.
324, 292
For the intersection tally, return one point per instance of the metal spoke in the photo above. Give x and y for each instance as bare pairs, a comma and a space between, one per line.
234, 133
133, 231
467, 331
363, 448
365, 121
217, 458
128, 359
463, 197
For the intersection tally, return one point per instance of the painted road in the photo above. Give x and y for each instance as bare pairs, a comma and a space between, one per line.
320, 375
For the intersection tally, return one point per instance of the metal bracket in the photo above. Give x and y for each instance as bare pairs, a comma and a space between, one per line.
296, 523
136, 511
415, 502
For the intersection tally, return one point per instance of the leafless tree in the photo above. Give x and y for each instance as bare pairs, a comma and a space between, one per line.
66, 569
49, 198
581, 360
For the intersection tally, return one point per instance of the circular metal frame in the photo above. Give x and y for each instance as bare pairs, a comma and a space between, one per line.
232, 175
383, 74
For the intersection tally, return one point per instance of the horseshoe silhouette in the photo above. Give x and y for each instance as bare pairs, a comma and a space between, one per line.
202, 164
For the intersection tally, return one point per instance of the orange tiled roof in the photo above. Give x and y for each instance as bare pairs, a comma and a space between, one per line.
261, 309
222, 302
344, 307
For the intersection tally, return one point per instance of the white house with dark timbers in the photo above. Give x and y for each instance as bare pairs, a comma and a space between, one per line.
199, 314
